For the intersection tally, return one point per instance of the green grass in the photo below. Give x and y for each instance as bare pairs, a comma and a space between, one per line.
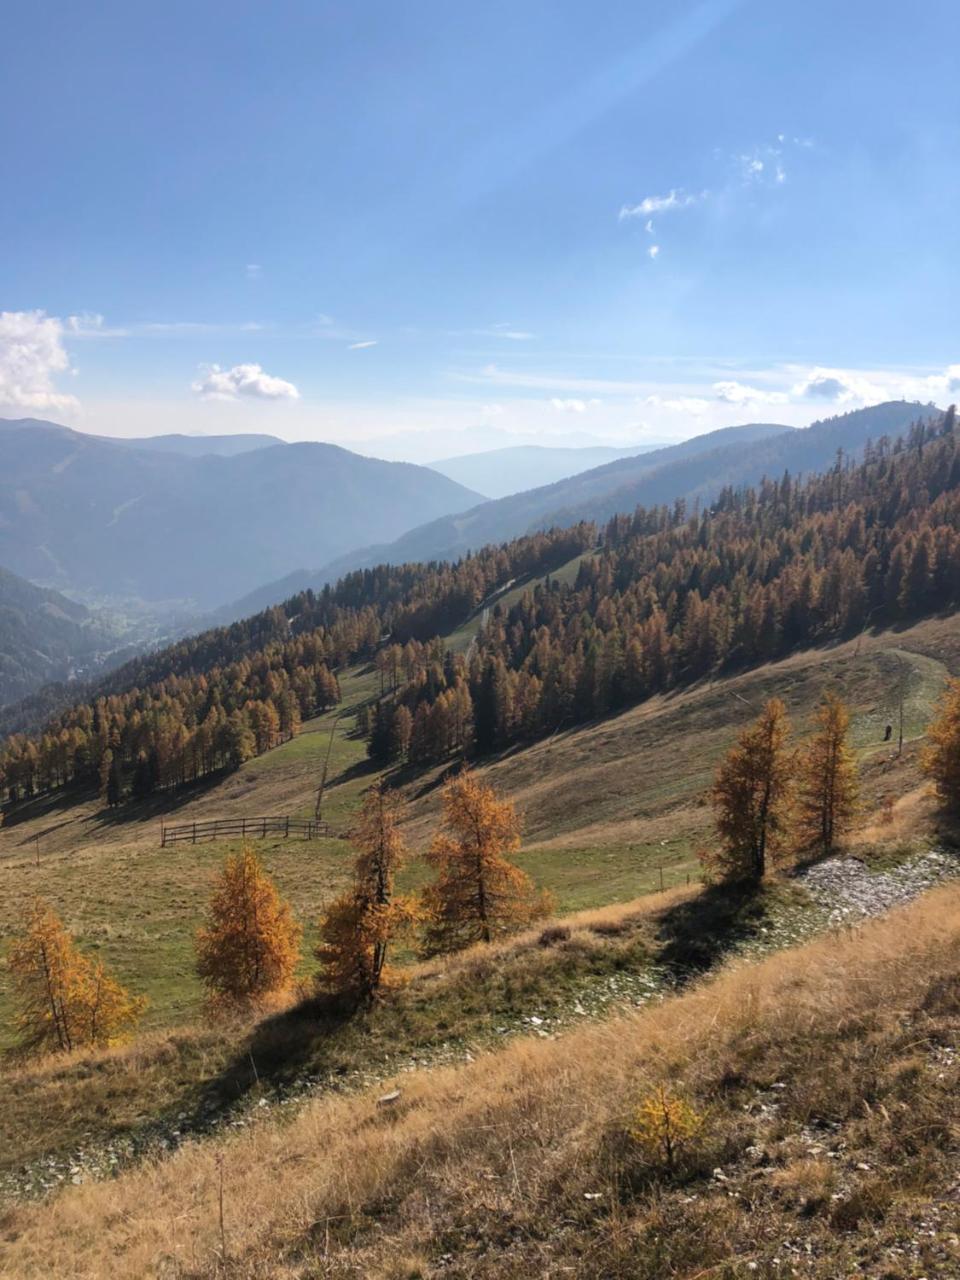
459, 641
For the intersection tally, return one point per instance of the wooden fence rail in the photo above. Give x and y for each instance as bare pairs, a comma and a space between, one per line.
248, 828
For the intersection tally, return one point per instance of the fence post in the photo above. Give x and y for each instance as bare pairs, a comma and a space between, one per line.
287, 830
264, 835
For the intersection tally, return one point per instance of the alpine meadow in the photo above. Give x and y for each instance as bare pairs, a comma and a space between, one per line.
480, 643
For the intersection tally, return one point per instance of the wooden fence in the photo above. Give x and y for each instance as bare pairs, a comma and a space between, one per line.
245, 828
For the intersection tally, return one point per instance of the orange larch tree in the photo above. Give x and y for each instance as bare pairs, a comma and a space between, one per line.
250, 945
65, 1000
359, 926
941, 758
750, 798
827, 781
479, 894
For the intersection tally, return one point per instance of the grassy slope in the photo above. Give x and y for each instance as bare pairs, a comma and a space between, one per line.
828, 1083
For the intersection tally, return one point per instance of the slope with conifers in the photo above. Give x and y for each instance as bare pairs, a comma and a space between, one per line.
693, 472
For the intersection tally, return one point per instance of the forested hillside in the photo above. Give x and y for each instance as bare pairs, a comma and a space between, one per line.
668, 597
44, 636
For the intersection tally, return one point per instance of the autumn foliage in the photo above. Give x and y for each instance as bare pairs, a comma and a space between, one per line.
751, 798
249, 946
941, 759
360, 925
479, 894
827, 781
64, 999
665, 1126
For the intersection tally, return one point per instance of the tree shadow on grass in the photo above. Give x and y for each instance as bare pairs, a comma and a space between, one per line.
698, 933
284, 1051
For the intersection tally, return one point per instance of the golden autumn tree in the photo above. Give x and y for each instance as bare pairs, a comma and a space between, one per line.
941, 758
250, 945
478, 894
827, 781
359, 926
750, 798
64, 999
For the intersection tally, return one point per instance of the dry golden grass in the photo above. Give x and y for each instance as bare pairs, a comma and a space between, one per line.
516, 1164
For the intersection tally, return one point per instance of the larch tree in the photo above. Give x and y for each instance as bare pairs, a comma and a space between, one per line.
750, 798
479, 894
359, 926
941, 758
65, 1000
826, 798
250, 945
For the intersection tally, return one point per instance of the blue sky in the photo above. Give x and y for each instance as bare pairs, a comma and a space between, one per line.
419, 229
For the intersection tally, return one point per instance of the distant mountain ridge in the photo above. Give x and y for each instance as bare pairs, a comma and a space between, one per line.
110, 519
497, 473
196, 446
695, 470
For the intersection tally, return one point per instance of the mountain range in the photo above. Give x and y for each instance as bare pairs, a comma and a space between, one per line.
114, 519
498, 473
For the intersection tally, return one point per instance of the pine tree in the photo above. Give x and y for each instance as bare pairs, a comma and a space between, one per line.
250, 944
360, 925
750, 798
478, 894
64, 1000
827, 783
941, 758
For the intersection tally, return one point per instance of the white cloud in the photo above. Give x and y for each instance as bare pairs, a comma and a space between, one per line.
840, 386
679, 404
739, 393
254, 270
675, 199
31, 356
362, 346
247, 381
653, 251
573, 406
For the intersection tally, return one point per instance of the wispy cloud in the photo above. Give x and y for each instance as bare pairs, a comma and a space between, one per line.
242, 381
675, 199
362, 346
253, 270
653, 251
32, 355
